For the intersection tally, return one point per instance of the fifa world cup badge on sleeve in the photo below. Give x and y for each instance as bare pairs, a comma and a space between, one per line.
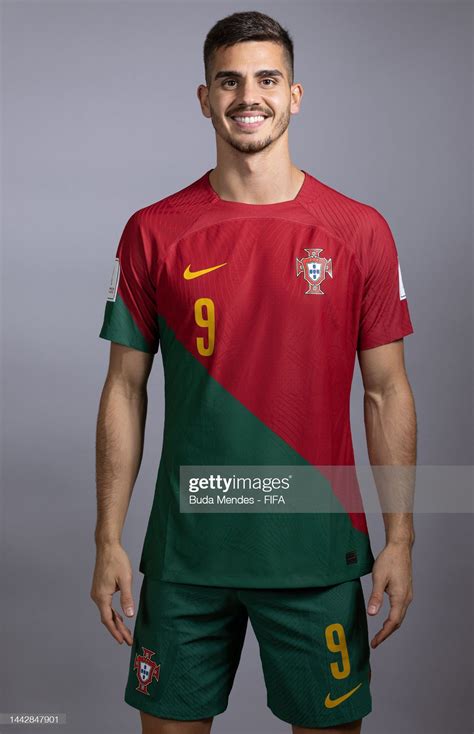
314, 269
400, 284
114, 281
146, 669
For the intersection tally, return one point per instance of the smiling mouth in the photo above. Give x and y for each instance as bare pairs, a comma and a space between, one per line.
248, 122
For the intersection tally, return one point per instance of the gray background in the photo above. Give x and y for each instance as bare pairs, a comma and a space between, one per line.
100, 118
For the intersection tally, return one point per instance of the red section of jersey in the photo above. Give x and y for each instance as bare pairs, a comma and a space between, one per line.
137, 256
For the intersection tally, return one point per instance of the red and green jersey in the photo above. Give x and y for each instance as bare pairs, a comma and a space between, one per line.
260, 310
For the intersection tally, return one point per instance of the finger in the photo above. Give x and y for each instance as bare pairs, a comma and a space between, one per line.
386, 631
376, 597
106, 617
122, 627
404, 608
391, 624
126, 598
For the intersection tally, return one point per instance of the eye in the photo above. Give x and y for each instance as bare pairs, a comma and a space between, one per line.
234, 81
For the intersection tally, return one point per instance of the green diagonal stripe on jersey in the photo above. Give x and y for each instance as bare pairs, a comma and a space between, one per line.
120, 327
206, 425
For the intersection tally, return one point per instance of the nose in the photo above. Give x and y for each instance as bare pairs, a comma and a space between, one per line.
249, 92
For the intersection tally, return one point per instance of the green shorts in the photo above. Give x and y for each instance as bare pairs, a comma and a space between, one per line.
313, 644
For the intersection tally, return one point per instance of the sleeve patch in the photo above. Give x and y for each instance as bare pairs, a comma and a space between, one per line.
400, 284
114, 281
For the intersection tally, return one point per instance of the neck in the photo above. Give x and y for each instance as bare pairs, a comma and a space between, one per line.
269, 183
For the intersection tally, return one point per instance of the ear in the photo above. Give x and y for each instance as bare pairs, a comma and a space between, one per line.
296, 97
203, 96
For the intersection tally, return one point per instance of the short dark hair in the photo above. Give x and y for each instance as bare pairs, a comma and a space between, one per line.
247, 26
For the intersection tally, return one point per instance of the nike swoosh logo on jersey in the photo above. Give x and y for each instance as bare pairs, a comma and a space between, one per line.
188, 275
330, 703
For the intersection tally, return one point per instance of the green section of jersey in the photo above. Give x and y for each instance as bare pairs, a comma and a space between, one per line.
206, 425
119, 326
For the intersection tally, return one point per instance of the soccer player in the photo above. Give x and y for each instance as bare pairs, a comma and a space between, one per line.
260, 283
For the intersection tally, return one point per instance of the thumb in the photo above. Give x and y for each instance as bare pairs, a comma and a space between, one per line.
376, 597
126, 599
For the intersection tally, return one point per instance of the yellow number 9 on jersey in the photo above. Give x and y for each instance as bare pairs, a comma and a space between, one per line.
208, 322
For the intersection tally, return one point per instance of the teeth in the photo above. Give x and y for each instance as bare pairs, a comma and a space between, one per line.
259, 118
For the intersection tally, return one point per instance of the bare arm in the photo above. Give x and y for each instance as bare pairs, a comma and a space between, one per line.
119, 449
390, 424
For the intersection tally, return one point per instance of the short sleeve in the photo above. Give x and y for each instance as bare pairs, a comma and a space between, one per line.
384, 315
130, 316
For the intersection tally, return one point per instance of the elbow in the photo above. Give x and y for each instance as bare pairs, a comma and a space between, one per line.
377, 394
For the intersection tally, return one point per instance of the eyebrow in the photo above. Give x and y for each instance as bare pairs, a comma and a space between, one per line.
239, 75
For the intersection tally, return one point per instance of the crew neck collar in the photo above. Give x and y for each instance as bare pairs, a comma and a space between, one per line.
215, 198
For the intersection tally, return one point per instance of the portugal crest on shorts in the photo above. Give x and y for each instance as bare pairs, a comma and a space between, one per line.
314, 269
146, 670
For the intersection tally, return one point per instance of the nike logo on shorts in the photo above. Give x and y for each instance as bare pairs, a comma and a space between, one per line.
331, 703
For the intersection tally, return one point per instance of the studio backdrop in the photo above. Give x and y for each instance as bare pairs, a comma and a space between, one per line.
100, 118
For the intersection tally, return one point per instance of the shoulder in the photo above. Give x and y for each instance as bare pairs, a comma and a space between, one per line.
348, 217
162, 223
175, 212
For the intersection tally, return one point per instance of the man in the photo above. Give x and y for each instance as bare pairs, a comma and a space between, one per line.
261, 284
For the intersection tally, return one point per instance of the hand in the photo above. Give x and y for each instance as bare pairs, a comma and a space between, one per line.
113, 572
391, 572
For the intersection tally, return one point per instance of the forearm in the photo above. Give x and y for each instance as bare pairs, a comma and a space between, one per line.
119, 449
390, 424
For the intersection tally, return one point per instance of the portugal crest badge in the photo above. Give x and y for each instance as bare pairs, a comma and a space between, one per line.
314, 269
146, 670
